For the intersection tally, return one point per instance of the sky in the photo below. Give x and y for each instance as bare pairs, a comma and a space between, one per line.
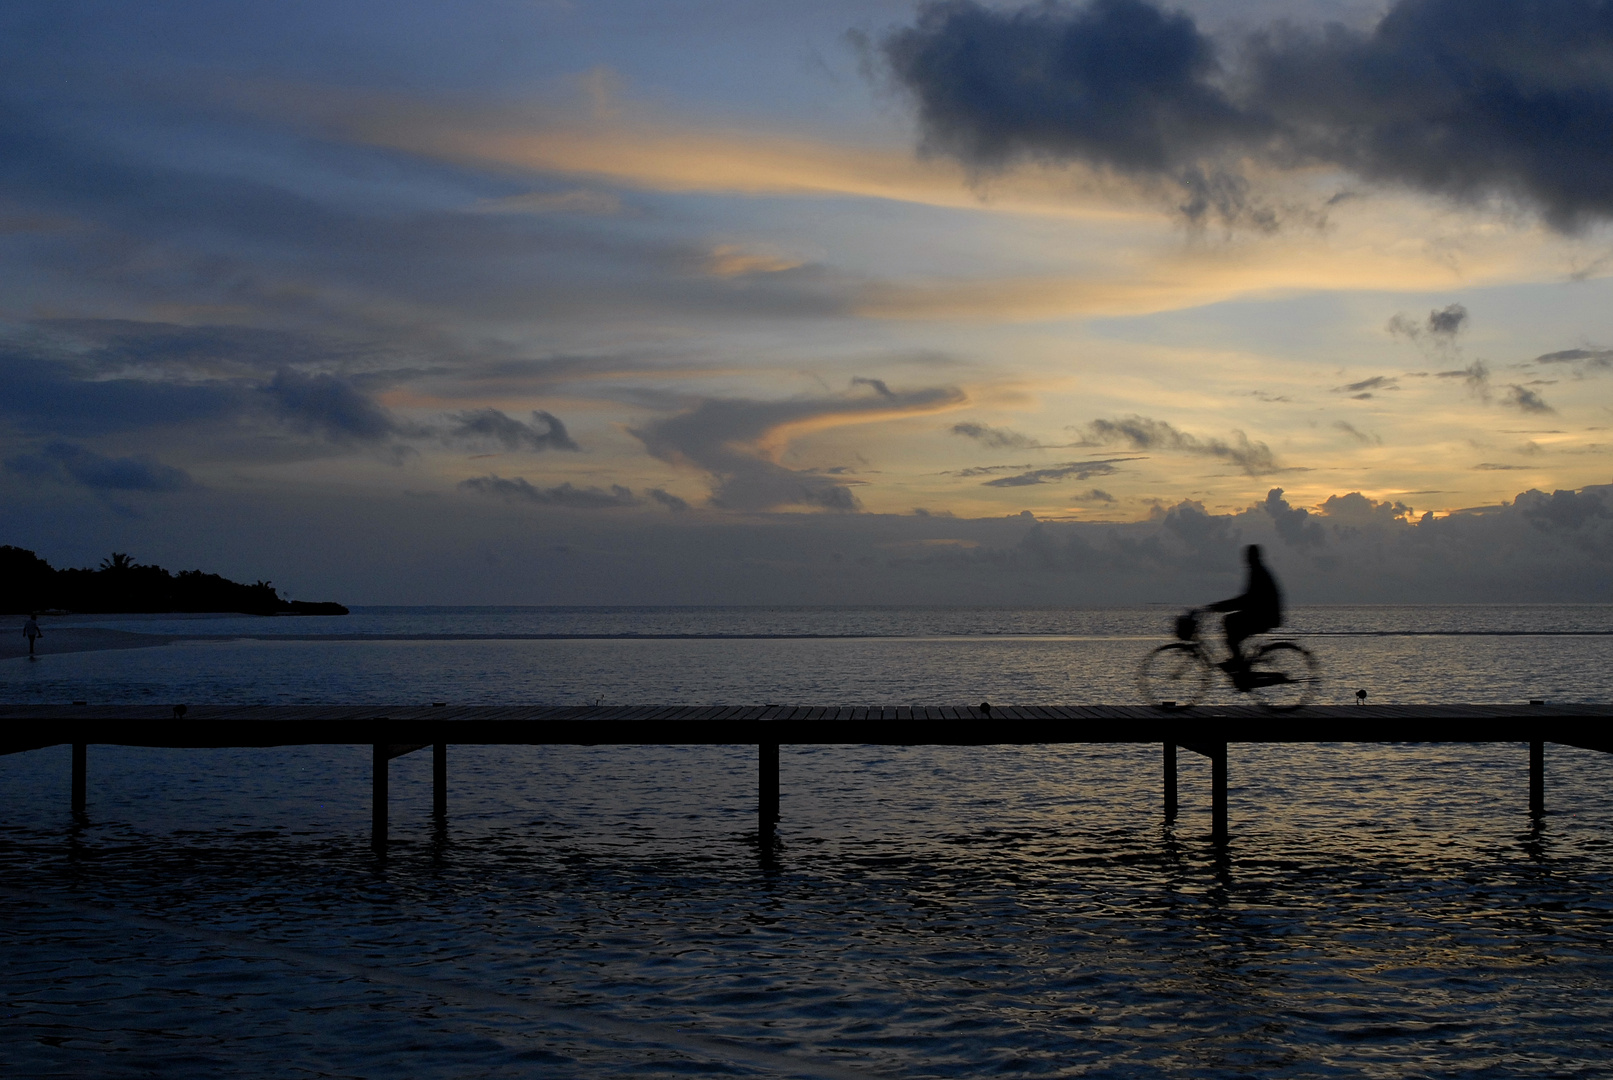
520, 301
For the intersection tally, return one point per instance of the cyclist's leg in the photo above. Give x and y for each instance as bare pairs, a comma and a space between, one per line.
1238, 626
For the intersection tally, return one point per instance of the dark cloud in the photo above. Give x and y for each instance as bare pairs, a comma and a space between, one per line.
1490, 466
672, 502
725, 437
1116, 83
70, 463
878, 386
330, 406
1526, 400
1078, 470
1294, 524
491, 425
990, 436
1447, 321
1357, 434
1476, 377
44, 395
1142, 433
1377, 382
567, 495
1355, 510
1582, 359
1563, 511
1464, 99
1093, 495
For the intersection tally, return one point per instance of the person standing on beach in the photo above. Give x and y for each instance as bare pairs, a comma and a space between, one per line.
32, 632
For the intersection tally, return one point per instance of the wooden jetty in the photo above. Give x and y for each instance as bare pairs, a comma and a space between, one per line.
394, 731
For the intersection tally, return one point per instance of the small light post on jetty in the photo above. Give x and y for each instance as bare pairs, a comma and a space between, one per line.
1204, 730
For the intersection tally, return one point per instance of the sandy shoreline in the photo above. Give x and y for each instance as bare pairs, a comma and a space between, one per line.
72, 639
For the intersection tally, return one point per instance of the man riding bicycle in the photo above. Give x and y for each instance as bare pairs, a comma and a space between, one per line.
1259, 608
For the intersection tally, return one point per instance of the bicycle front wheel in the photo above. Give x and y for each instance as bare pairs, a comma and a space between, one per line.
1176, 672
1283, 676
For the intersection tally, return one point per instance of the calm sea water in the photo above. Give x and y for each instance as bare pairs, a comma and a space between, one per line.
1381, 910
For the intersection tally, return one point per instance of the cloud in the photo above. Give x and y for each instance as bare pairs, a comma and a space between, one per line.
1565, 511
330, 406
45, 394
1476, 377
1079, 470
1377, 382
1355, 510
994, 437
1463, 99
1093, 495
1582, 359
737, 442
878, 386
1357, 434
1116, 84
1294, 524
1142, 433
1490, 466
70, 463
731, 260
1447, 321
577, 201
1526, 400
491, 425
672, 502
567, 495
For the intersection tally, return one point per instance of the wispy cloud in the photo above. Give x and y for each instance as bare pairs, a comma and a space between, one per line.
737, 442
70, 463
566, 494
492, 426
986, 435
1143, 433
1077, 470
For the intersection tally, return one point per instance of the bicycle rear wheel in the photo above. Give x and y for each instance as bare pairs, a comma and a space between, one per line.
1283, 675
1176, 672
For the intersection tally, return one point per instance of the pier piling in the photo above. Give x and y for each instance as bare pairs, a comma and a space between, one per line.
439, 780
1537, 777
378, 798
1218, 793
80, 777
766, 788
1170, 781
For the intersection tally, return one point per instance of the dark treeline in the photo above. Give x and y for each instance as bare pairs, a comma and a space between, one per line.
29, 583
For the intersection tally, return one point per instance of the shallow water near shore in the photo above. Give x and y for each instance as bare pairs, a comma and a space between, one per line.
926, 911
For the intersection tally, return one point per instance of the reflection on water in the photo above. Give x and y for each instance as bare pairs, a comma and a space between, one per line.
924, 911
928, 911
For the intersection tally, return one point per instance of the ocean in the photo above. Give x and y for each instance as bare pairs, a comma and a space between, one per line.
1382, 910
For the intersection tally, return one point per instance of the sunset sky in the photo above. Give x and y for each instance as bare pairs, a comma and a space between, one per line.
724, 301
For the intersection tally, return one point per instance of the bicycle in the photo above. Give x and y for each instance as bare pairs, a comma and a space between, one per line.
1280, 675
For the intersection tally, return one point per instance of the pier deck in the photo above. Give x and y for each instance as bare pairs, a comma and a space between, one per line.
395, 730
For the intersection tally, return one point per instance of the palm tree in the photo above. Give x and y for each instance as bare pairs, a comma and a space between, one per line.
118, 561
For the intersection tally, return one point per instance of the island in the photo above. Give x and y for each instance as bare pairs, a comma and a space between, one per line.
120, 585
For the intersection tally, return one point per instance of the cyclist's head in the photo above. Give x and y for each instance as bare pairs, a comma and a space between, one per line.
1251, 554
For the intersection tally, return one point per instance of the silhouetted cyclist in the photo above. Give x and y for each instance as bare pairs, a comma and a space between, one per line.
1258, 609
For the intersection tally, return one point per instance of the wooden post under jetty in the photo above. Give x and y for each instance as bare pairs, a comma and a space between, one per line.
392, 732
378, 796
1537, 777
80, 778
767, 815
1170, 781
439, 780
